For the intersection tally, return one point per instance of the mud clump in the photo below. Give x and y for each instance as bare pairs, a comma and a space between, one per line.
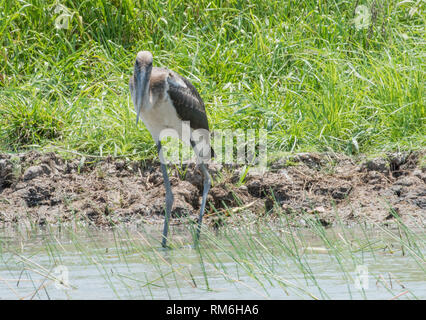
36, 171
6, 174
45, 188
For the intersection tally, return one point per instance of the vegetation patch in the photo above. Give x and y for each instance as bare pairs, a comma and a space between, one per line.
341, 77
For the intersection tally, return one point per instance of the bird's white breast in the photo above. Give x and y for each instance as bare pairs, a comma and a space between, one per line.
163, 116
160, 114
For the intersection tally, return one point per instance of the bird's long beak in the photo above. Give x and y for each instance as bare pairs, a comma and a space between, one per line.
141, 84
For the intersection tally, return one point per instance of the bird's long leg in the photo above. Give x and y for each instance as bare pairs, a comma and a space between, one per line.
169, 195
206, 188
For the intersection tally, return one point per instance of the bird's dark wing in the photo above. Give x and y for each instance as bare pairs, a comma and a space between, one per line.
187, 101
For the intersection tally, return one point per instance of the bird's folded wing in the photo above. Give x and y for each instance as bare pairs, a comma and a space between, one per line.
187, 101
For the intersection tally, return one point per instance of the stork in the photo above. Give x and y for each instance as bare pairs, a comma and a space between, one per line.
165, 100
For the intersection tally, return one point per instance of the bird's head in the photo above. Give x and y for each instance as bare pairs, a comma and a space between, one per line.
144, 58
139, 82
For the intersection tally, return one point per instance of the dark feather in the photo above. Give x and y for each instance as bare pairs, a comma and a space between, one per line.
188, 103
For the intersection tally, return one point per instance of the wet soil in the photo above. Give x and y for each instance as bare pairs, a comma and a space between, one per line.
45, 188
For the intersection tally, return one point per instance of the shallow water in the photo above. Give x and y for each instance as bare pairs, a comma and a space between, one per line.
96, 264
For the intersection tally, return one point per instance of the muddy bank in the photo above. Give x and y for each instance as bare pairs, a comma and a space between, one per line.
44, 188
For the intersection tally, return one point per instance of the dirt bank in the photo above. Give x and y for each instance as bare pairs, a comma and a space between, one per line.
44, 188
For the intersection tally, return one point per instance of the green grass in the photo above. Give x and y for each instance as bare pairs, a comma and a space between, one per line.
299, 69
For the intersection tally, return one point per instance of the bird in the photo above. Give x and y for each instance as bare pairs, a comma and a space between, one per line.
165, 100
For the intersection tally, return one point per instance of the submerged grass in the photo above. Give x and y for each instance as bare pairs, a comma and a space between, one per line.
261, 259
308, 72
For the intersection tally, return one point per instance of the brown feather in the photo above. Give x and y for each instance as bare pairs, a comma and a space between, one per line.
188, 102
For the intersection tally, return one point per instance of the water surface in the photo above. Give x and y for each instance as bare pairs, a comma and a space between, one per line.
106, 264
